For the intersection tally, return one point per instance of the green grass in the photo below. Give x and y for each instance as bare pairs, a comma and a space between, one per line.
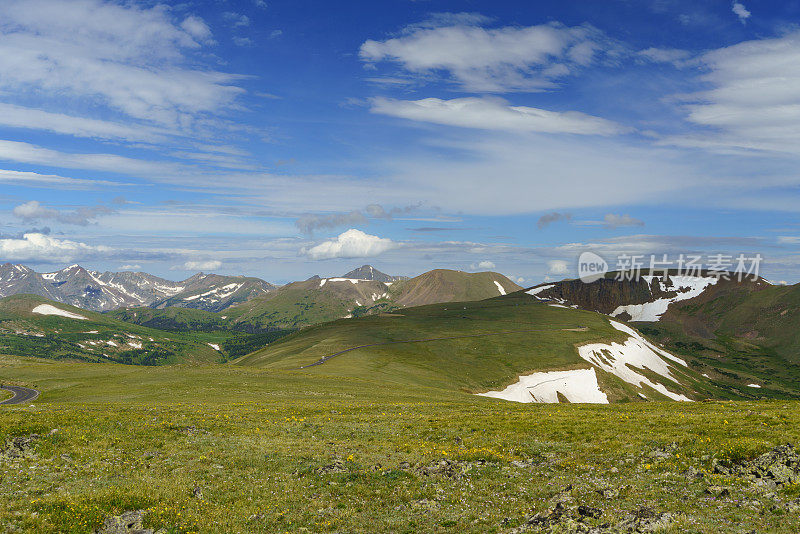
525, 336
96, 338
258, 443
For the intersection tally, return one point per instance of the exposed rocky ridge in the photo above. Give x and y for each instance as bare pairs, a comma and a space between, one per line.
611, 293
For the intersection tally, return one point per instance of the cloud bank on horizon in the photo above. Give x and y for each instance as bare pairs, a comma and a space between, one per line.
175, 137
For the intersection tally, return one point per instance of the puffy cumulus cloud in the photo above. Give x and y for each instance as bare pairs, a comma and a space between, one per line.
559, 267
34, 210
485, 264
202, 265
128, 267
549, 218
489, 113
40, 247
350, 244
511, 58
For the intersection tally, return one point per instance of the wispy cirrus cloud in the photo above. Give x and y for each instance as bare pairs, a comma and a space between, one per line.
489, 113
133, 59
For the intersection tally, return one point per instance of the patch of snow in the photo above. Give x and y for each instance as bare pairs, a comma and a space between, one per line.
499, 287
619, 359
578, 386
214, 346
322, 282
687, 287
48, 309
113, 344
557, 305
705, 375
92, 332
49, 276
135, 344
351, 280
536, 290
754, 386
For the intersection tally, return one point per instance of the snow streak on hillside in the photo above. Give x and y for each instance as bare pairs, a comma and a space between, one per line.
620, 359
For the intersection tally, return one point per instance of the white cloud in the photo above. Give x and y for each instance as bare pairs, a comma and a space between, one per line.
204, 265
33, 179
557, 267
129, 267
486, 264
39, 247
754, 102
34, 211
350, 244
740, 11
501, 59
674, 56
36, 119
494, 114
135, 60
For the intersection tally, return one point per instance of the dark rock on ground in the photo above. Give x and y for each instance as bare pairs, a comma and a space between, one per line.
126, 523
19, 446
774, 469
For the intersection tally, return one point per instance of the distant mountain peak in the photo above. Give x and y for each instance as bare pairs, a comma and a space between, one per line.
368, 272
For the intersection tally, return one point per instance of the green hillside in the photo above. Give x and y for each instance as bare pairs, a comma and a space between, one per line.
741, 332
90, 336
467, 346
320, 300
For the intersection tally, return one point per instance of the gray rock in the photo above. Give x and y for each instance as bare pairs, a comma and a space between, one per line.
126, 523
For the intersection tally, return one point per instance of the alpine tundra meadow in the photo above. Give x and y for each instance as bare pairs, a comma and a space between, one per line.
408, 266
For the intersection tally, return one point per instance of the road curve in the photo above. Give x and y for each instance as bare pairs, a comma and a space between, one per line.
21, 394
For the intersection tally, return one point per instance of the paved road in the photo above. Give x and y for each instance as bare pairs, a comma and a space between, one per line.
326, 358
21, 394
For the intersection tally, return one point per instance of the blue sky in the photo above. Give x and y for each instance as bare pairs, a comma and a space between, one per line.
286, 139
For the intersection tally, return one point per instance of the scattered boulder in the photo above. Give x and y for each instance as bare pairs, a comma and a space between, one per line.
646, 520
126, 523
564, 518
774, 469
19, 447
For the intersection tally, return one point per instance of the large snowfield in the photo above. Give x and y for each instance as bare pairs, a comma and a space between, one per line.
577, 386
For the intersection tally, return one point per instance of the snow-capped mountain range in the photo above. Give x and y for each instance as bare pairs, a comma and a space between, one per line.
98, 291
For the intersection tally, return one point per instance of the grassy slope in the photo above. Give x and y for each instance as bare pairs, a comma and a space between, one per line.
443, 285
51, 336
253, 442
469, 363
739, 335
